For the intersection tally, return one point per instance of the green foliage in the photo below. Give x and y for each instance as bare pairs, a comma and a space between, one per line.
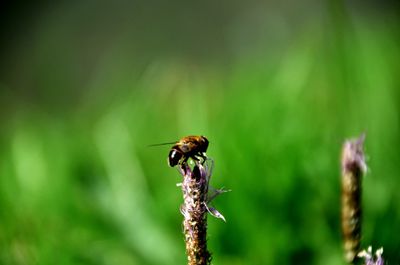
80, 186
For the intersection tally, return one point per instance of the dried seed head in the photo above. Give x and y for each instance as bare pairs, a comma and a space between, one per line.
353, 168
195, 186
194, 210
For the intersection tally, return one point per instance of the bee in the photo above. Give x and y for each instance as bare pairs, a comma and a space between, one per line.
187, 147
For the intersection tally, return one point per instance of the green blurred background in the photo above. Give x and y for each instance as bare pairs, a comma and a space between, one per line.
276, 86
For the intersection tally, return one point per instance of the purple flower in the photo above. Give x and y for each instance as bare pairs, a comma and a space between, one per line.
195, 186
370, 259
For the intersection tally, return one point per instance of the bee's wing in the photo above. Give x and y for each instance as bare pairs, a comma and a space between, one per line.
151, 145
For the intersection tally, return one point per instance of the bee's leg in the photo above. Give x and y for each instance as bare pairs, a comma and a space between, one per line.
200, 157
185, 159
195, 158
203, 156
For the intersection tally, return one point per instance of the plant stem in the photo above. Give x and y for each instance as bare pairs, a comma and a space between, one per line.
195, 188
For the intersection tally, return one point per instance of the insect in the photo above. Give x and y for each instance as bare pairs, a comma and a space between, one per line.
187, 147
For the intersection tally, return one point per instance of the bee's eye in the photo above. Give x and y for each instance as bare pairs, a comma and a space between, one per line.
174, 157
205, 143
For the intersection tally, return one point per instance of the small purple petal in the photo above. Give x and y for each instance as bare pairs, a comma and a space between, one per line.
353, 155
369, 259
379, 258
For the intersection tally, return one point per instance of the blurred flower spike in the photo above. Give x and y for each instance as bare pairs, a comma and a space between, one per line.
353, 169
369, 257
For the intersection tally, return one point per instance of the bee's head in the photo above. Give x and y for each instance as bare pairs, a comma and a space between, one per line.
174, 157
204, 143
